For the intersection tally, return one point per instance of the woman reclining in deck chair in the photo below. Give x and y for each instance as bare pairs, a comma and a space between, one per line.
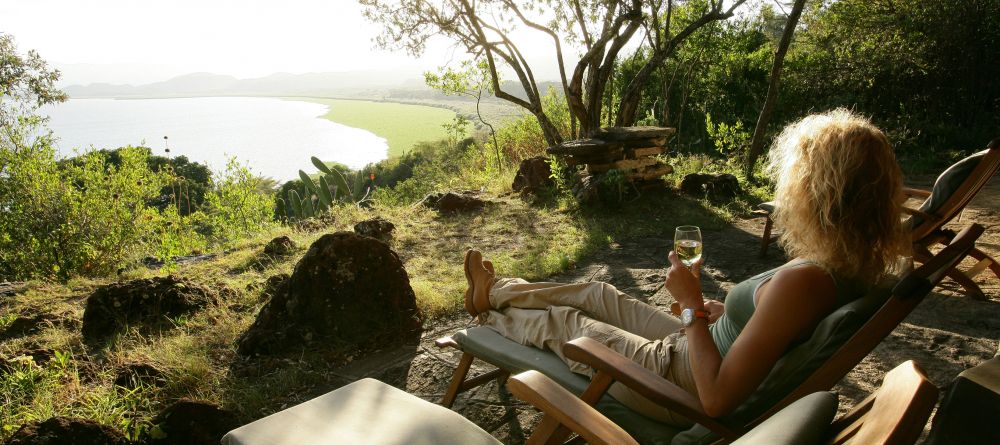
839, 191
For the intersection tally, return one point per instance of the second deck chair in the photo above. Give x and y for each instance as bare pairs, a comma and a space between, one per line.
952, 191
840, 341
895, 414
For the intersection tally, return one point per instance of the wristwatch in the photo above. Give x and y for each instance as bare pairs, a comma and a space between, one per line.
689, 315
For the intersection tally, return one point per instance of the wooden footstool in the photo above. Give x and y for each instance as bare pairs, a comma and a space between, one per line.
367, 411
970, 409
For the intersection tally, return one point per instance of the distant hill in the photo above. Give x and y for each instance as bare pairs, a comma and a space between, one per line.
279, 84
352, 84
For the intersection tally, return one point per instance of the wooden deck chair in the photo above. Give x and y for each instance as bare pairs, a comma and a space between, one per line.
952, 191
895, 414
838, 343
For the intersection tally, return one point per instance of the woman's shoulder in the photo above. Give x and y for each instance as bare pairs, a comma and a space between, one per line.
803, 278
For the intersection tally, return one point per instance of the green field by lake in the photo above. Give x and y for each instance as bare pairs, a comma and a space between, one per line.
401, 125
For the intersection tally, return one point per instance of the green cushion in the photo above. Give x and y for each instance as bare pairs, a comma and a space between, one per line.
487, 345
804, 422
800, 362
767, 206
946, 184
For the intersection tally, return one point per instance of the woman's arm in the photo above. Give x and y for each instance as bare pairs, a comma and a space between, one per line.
788, 306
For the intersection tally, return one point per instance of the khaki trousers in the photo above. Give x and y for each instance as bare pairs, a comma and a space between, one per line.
547, 315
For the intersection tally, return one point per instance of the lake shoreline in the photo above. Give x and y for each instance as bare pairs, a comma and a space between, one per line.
399, 141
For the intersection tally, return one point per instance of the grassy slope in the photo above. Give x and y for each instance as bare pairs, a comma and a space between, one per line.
402, 125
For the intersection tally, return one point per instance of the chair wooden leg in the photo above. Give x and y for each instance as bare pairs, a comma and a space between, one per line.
548, 432
457, 379
971, 288
985, 261
765, 239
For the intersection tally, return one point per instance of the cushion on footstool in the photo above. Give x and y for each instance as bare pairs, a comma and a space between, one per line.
968, 411
366, 411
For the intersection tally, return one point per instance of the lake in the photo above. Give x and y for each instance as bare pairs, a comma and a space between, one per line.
274, 137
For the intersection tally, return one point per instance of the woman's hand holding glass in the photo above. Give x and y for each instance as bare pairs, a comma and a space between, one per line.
684, 283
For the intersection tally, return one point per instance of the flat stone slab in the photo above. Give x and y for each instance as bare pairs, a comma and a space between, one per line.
619, 134
583, 147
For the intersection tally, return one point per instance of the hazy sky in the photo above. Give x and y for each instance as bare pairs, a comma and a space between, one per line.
129, 41
244, 38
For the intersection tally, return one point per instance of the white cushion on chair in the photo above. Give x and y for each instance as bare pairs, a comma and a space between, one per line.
366, 411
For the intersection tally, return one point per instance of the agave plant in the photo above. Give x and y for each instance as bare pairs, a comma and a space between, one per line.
318, 196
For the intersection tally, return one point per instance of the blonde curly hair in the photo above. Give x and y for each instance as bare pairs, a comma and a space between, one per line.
837, 193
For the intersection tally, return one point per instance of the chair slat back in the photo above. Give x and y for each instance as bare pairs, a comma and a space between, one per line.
906, 295
961, 197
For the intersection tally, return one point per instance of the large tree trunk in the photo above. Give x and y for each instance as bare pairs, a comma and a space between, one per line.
757, 144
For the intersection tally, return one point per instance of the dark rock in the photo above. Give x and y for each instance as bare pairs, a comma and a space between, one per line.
22, 326
36, 356
722, 187
10, 289
156, 263
274, 284
146, 303
347, 292
67, 430
135, 374
376, 227
533, 175
189, 422
454, 202
587, 191
279, 247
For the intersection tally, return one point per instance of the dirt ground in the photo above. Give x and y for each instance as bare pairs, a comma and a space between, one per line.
946, 334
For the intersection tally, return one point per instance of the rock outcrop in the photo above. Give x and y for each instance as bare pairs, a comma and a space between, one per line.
281, 246
67, 430
717, 188
147, 303
347, 292
454, 202
376, 227
191, 422
533, 176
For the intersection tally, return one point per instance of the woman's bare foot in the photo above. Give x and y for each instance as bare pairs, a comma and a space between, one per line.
481, 278
469, 291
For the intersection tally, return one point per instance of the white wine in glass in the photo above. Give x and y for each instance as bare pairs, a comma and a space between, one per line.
687, 244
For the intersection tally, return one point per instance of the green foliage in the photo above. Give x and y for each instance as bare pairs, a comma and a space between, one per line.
97, 213
924, 70
729, 139
722, 70
235, 206
87, 217
25, 81
333, 187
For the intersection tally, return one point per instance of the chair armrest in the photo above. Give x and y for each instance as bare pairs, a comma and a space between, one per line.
554, 400
925, 216
911, 192
651, 386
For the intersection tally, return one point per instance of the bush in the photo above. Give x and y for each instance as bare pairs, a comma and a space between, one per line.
85, 217
235, 207
93, 215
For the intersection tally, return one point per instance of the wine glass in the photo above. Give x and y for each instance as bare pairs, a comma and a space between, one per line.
687, 244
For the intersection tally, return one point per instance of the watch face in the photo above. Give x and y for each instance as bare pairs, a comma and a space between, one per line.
687, 317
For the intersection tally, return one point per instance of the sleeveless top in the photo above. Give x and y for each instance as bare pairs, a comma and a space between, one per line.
740, 305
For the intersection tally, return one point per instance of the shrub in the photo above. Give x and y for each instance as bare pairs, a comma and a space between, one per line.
85, 217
